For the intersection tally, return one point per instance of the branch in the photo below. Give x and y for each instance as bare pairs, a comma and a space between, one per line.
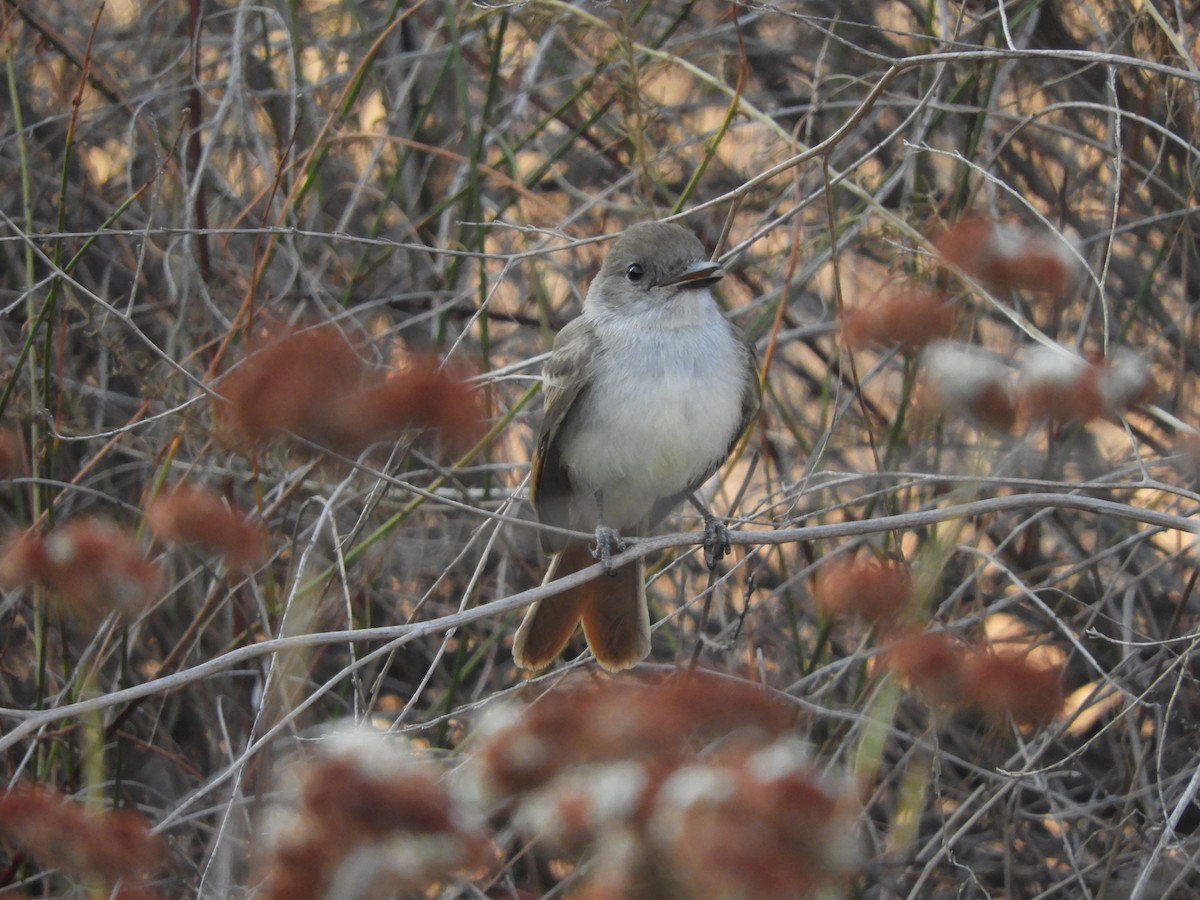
399, 635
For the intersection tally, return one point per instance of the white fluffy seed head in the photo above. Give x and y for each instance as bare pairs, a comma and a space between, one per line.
960, 373
1125, 380
589, 798
777, 760
687, 787
1051, 367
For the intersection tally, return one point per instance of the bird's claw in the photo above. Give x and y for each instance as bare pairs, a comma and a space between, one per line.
716, 542
606, 540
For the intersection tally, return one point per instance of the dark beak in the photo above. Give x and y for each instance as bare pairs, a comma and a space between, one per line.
698, 274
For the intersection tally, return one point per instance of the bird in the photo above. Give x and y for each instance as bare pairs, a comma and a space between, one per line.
646, 392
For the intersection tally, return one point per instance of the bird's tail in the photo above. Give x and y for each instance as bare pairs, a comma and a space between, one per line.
615, 618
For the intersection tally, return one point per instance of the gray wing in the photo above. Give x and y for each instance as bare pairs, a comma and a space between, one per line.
565, 375
751, 401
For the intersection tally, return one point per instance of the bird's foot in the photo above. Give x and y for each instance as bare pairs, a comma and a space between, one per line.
716, 541
607, 539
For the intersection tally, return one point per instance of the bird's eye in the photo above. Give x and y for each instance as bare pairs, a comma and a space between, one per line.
635, 272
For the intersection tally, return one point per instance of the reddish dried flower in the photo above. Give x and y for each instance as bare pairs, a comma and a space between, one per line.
110, 845
1060, 386
753, 822
1009, 685
354, 799
1005, 256
958, 379
1063, 387
194, 515
313, 383
932, 664
423, 395
289, 383
1002, 685
749, 820
626, 868
371, 822
622, 770
614, 721
23, 560
10, 452
869, 588
908, 315
92, 565
584, 801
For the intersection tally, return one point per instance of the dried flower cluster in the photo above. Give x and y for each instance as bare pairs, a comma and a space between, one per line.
1051, 384
865, 587
687, 787
194, 515
113, 845
1058, 385
616, 720
1006, 256
10, 452
1002, 685
370, 822
959, 379
908, 315
312, 383
944, 671
92, 566
1003, 256
617, 771
754, 821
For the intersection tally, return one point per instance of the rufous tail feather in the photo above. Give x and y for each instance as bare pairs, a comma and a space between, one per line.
616, 621
615, 618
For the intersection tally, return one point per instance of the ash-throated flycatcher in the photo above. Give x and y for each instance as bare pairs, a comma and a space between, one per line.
646, 393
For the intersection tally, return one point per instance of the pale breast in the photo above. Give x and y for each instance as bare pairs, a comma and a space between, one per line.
664, 406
